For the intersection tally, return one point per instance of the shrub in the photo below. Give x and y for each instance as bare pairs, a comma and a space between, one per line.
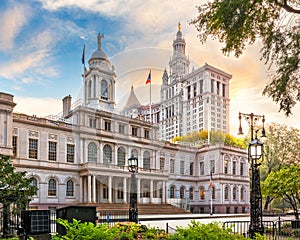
210, 231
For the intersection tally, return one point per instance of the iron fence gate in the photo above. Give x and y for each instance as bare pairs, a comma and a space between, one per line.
273, 230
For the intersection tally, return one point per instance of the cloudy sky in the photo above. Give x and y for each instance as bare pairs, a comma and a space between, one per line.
41, 45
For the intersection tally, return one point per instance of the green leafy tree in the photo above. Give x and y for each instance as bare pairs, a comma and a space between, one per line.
15, 186
274, 23
280, 148
285, 183
215, 137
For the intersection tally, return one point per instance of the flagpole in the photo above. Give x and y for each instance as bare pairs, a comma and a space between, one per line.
83, 62
211, 189
150, 101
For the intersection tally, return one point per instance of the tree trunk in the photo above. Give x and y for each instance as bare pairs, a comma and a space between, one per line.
267, 202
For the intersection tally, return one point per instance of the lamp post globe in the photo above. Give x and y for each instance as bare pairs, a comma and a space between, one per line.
255, 149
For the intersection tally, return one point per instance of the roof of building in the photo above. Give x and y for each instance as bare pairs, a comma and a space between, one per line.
132, 100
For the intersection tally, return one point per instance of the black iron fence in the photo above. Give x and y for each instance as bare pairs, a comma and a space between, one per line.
273, 230
112, 216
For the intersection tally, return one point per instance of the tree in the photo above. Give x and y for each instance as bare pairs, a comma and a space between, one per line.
285, 184
275, 23
15, 188
281, 148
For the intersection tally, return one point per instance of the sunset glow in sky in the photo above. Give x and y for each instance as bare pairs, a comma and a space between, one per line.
41, 44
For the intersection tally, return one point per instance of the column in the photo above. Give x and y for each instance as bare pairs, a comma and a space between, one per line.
82, 150
138, 190
89, 187
101, 152
164, 192
116, 155
94, 189
81, 199
125, 190
151, 190
110, 189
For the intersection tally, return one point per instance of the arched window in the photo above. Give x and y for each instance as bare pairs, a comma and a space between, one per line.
70, 188
213, 193
134, 153
182, 190
242, 194
234, 193
146, 160
121, 156
34, 183
202, 193
92, 152
172, 192
104, 90
52, 187
107, 154
226, 193
191, 193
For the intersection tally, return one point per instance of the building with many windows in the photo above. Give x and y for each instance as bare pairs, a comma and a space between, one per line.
82, 157
190, 101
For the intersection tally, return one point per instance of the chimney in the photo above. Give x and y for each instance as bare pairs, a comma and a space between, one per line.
67, 105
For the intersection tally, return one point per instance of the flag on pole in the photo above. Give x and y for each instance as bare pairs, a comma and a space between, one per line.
83, 55
149, 78
210, 180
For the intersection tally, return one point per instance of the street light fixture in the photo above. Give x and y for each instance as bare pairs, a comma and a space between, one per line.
133, 210
255, 157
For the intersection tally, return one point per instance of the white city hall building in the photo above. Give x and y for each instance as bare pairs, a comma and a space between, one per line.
82, 158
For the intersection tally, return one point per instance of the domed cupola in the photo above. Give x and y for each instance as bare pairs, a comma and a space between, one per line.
179, 42
99, 81
99, 57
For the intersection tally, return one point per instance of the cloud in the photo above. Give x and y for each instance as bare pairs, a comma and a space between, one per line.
37, 106
12, 20
31, 60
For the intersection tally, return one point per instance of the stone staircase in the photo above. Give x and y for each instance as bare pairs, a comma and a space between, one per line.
143, 209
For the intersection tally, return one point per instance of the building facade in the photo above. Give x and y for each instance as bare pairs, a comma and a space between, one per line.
83, 156
190, 100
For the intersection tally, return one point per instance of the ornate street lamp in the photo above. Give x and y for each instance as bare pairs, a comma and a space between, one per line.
255, 158
133, 210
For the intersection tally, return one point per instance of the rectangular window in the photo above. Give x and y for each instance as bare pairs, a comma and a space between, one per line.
52, 151
241, 169
182, 167
15, 145
212, 166
146, 134
172, 166
162, 163
191, 168
226, 166
218, 88
202, 168
70, 153
234, 168
92, 123
107, 126
121, 128
212, 85
33, 148
134, 131
224, 90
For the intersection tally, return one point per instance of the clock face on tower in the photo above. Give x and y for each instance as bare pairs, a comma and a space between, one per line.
104, 90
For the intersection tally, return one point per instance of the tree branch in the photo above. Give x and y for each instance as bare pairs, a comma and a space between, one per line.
287, 7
